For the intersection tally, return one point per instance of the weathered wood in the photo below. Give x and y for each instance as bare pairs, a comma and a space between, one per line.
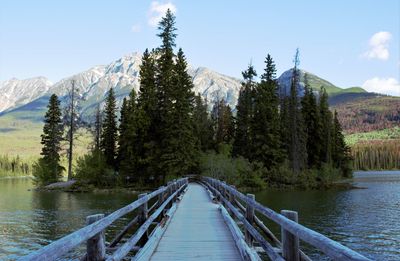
250, 219
143, 214
268, 232
122, 233
290, 243
95, 246
62, 246
197, 231
147, 250
270, 251
328, 246
131, 242
245, 251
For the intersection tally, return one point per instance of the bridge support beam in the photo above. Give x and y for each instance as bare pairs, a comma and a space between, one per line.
290, 243
95, 246
250, 219
142, 217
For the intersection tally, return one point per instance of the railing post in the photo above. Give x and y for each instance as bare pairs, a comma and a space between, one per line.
250, 219
160, 200
142, 217
231, 199
95, 246
175, 189
290, 243
223, 193
169, 193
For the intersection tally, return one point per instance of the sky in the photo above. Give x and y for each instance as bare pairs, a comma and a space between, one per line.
347, 42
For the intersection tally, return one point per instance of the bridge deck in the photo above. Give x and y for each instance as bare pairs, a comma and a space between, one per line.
197, 231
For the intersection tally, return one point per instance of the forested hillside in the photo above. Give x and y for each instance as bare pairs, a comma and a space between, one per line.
368, 113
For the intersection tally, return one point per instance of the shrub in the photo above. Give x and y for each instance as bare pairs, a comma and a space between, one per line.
45, 173
93, 169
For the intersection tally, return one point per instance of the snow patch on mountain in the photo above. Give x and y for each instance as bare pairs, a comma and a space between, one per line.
15, 92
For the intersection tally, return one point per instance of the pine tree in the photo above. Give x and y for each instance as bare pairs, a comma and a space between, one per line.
130, 146
326, 127
109, 133
96, 131
244, 115
148, 136
223, 123
165, 84
266, 146
202, 124
48, 169
311, 116
341, 154
123, 132
180, 153
297, 150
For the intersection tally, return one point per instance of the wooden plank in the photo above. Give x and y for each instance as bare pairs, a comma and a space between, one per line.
290, 243
250, 219
328, 246
121, 234
147, 250
245, 251
95, 246
197, 231
127, 246
64, 245
268, 232
270, 251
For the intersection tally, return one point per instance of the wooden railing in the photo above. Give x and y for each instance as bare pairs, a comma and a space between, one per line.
93, 233
243, 207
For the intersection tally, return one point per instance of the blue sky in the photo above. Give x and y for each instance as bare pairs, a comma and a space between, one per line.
348, 42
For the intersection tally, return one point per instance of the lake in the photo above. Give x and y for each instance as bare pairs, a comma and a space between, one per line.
365, 220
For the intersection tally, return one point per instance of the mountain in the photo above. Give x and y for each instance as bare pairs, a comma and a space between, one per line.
16, 92
315, 83
122, 75
27, 99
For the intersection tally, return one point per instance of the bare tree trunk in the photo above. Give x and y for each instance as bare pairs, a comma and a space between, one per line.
71, 132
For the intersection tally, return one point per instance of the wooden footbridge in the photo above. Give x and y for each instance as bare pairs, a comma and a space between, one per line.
195, 218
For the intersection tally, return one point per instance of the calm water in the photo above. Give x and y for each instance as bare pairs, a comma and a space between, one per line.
367, 220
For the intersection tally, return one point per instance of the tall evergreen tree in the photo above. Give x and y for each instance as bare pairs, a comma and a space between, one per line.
180, 153
297, 150
148, 137
123, 132
165, 84
202, 124
109, 133
312, 122
244, 115
48, 169
341, 154
266, 145
223, 123
96, 129
130, 145
326, 127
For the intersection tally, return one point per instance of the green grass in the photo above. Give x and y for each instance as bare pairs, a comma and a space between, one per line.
19, 137
386, 134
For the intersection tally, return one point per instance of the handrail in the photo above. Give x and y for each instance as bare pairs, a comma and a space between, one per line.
328, 246
62, 246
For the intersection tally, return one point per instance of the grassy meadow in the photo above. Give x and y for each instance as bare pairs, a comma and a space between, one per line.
21, 138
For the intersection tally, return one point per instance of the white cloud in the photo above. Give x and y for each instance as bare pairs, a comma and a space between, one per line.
136, 28
157, 11
378, 46
383, 85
